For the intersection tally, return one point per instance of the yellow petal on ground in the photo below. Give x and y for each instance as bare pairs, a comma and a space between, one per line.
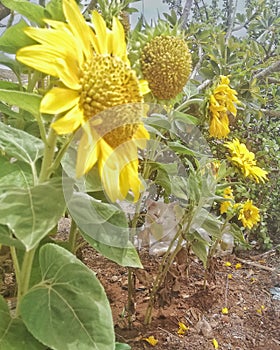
69, 122
59, 100
151, 340
101, 32
78, 25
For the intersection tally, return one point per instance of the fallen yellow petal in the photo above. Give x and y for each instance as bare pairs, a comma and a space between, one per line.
238, 266
182, 328
224, 310
151, 340
215, 343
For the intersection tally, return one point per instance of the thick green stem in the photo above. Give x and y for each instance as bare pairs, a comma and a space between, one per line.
50, 147
73, 235
24, 276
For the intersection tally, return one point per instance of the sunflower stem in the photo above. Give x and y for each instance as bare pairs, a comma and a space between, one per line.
23, 275
73, 235
166, 262
49, 152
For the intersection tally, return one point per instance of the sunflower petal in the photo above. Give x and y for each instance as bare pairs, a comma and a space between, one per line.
118, 45
88, 151
59, 100
70, 122
78, 25
101, 33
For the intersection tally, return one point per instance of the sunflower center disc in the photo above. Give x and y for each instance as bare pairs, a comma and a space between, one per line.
108, 82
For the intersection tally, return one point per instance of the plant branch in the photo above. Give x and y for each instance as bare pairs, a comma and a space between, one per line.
274, 67
186, 13
231, 18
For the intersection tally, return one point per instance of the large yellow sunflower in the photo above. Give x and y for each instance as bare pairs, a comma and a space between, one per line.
249, 214
94, 75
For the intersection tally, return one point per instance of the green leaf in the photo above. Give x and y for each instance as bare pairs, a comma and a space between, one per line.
31, 213
31, 11
6, 238
26, 101
13, 333
54, 8
14, 65
68, 309
127, 256
14, 174
104, 222
200, 250
13, 39
185, 118
121, 346
19, 144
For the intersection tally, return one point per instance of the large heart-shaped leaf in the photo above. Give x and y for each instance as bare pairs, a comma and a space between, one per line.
13, 332
68, 309
19, 144
31, 213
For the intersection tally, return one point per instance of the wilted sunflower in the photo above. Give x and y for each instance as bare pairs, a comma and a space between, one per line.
95, 75
221, 102
166, 64
245, 160
249, 214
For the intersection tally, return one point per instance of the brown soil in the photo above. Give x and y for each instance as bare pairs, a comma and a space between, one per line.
252, 322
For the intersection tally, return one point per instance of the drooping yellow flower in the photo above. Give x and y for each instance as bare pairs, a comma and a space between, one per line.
249, 214
221, 102
228, 193
245, 161
94, 75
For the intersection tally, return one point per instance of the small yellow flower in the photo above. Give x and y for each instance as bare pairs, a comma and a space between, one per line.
229, 276
238, 266
222, 101
182, 328
215, 343
227, 194
249, 214
228, 264
151, 340
224, 310
245, 161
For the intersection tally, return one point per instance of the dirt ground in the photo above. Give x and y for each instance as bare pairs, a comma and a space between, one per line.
253, 319
251, 294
